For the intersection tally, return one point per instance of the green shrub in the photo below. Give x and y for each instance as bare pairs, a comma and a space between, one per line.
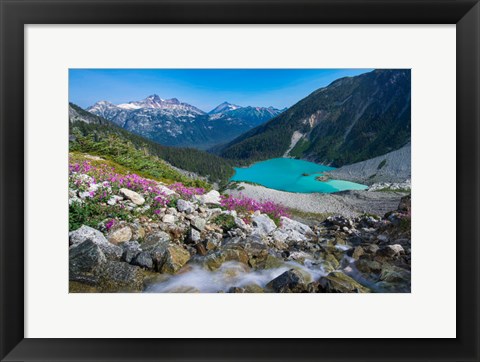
225, 221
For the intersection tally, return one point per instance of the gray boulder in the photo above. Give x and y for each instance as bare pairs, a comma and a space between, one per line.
136, 198
116, 276
169, 219
144, 260
211, 197
159, 236
193, 236
198, 223
291, 281
166, 257
130, 250
288, 225
263, 224
185, 206
85, 233
85, 258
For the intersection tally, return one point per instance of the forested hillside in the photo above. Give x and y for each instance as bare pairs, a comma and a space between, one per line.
93, 134
351, 120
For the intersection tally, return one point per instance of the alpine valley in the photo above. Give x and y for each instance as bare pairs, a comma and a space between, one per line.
165, 197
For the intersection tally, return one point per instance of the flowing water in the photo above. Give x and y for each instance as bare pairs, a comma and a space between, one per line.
288, 174
230, 274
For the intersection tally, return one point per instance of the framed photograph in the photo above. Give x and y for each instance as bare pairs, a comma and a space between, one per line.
240, 180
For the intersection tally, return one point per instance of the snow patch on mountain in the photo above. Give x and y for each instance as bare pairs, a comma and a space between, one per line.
224, 107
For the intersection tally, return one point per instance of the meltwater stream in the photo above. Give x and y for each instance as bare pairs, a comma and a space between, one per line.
195, 279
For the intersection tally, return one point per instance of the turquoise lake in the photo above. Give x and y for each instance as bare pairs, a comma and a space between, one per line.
287, 174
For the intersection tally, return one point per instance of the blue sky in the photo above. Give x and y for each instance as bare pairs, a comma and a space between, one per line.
203, 88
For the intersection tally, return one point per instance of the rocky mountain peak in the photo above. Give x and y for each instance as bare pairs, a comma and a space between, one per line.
224, 107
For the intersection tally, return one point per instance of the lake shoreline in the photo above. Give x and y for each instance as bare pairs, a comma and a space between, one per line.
346, 203
293, 175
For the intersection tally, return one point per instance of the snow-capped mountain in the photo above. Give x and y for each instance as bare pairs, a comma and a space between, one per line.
249, 116
172, 122
224, 107
172, 106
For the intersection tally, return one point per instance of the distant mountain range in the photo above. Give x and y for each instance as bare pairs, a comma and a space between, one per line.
95, 129
174, 123
351, 120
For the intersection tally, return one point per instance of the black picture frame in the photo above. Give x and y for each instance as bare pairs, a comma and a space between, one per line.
15, 14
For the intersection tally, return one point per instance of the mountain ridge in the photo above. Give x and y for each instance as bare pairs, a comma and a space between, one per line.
350, 120
175, 123
92, 130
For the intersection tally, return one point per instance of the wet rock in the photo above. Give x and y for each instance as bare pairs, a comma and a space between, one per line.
156, 244
382, 238
272, 262
263, 224
253, 288
330, 263
236, 254
120, 235
291, 281
136, 198
355, 239
300, 256
391, 251
214, 260
394, 274
371, 248
405, 243
338, 282
368, 266
185, 206
200, 248
358, 252
213, 241
174, 259
184, 289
